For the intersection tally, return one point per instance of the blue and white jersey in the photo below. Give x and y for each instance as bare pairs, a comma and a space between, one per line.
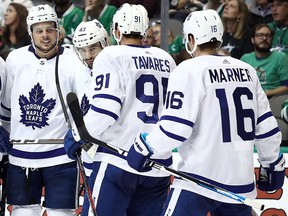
36, 112
215, 112
2, 87
83, 75
2, 77
127, 93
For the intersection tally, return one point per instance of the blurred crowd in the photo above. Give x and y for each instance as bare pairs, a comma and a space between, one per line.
241, 38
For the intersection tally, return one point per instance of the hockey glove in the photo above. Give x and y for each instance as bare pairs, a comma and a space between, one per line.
272, 178
139, 154
71, 146
5, 145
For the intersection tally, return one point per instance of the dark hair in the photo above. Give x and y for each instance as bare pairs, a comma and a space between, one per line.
21, 30
209, 45
260, 26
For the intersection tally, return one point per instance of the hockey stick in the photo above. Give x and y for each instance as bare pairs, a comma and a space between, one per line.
79, 161
76, 112
36, 141
89, 148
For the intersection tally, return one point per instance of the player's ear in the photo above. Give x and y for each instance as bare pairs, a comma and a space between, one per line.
117, 32
191, 39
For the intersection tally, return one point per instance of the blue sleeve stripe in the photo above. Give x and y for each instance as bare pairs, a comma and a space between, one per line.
4, 118
110, 97
263, 117
172, 136
4, 107
105, 112
268, 134
176, 119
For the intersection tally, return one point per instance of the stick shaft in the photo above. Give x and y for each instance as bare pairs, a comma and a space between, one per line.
36, 141
84, 134
79, 161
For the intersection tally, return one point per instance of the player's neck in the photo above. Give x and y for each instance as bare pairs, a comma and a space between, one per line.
205, 52
129, 41
46, 55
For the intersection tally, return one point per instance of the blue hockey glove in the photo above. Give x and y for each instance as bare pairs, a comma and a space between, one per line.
272, 178
5, 145
71, 146
139, 154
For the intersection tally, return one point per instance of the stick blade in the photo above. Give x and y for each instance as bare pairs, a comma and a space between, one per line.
76, 112
77, 115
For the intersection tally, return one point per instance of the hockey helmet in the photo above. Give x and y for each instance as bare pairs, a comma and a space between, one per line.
90, 32
130, 19
206, 26
41, 13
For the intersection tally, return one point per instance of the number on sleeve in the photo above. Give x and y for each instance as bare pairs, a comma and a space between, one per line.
101, 80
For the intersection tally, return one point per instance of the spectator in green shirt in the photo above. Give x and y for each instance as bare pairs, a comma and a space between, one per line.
69, 16
100, 10
271, 66
280, 25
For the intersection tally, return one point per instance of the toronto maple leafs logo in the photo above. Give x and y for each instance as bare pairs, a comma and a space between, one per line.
34, 109
85, 106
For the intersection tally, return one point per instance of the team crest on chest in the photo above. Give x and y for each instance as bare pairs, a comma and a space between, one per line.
85, 106
35, 110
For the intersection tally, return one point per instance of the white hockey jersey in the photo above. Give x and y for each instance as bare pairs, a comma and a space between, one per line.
127, 96
215, 112
2, 77
2, 86
36, 113
83, 75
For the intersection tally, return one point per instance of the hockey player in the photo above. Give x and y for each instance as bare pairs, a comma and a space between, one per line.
127, 93
4, 137
2, 86
216, 111
36, 113
90, 38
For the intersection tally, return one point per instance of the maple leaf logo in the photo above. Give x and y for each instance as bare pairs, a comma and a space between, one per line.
35, 110
85, 106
